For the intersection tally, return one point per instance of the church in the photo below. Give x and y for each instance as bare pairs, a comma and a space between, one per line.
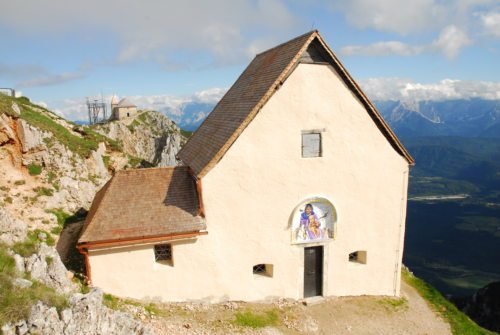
294, 186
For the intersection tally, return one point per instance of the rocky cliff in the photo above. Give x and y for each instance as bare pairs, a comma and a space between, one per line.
50, 170
150, 136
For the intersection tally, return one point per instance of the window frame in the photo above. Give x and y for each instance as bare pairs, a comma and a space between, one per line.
318, 132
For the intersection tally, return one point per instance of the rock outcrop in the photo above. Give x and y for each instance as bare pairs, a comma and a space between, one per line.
150, 135
483, 306
11, 230
85, 313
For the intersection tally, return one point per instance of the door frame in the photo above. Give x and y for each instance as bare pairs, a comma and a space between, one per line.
323, 269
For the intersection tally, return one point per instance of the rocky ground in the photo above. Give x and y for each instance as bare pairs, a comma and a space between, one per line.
408, 315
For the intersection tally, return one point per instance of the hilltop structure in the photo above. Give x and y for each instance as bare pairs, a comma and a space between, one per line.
8, 91
122, 109
294, 186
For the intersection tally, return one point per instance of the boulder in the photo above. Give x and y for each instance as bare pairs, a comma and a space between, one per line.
22, 283
44, 320
52, 273
16, 109
6, 132
31, 137
11, 230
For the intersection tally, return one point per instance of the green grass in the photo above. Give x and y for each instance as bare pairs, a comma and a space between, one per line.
119, 304
186, 133
7, 263
394, 304
460, 323
43, 191
63, 219
256, 320
30, 245
107, 161
82, 146
6, 105
16, 302
34, 169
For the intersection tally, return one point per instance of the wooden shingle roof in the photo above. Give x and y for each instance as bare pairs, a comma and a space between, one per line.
144, 203
263, 76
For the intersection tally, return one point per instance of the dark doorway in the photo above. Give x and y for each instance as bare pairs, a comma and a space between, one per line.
313, 271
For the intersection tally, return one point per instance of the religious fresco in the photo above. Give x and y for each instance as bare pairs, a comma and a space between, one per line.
313, 221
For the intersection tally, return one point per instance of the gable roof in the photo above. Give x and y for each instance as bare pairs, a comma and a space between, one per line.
258, 82
125, 103
144, 203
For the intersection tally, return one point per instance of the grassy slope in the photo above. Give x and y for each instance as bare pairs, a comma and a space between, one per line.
82, 145
460, 323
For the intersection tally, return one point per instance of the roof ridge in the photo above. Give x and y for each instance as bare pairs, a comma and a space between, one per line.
269, 92
289, 41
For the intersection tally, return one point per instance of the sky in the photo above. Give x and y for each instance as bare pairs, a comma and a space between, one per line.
158, 53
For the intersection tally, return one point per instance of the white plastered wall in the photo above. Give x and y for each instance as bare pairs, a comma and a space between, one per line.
250, 194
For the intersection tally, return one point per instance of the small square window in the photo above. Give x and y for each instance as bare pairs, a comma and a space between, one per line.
358, 257
163, 253
263, 270
311, 144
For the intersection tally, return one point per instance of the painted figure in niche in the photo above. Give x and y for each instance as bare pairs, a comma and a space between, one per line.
310, 227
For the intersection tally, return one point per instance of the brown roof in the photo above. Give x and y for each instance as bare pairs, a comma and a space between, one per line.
263, 76
144, 203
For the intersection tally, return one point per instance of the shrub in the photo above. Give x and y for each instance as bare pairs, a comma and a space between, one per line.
19, 182
7, 263
34, 169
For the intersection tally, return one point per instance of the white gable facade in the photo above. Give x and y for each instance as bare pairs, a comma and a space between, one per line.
255, 196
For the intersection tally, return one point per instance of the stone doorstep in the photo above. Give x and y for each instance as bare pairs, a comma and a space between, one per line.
313, 300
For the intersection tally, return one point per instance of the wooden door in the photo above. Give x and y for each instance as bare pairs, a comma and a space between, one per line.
313, 271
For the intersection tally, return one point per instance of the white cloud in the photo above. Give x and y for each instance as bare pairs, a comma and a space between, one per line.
394, 15
491, 23
157, 30
49, 80
408, 17
382, 49
447, 89
449, 42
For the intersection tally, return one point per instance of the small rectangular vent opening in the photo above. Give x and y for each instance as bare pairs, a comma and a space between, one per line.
358, 257
263, 270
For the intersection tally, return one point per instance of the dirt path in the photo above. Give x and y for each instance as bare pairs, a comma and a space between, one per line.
409, 315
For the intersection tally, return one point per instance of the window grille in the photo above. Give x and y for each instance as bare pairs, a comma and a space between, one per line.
358, 257
265, 270
259, 268
163, 252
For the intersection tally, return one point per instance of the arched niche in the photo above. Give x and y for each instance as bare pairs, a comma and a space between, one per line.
313, 220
